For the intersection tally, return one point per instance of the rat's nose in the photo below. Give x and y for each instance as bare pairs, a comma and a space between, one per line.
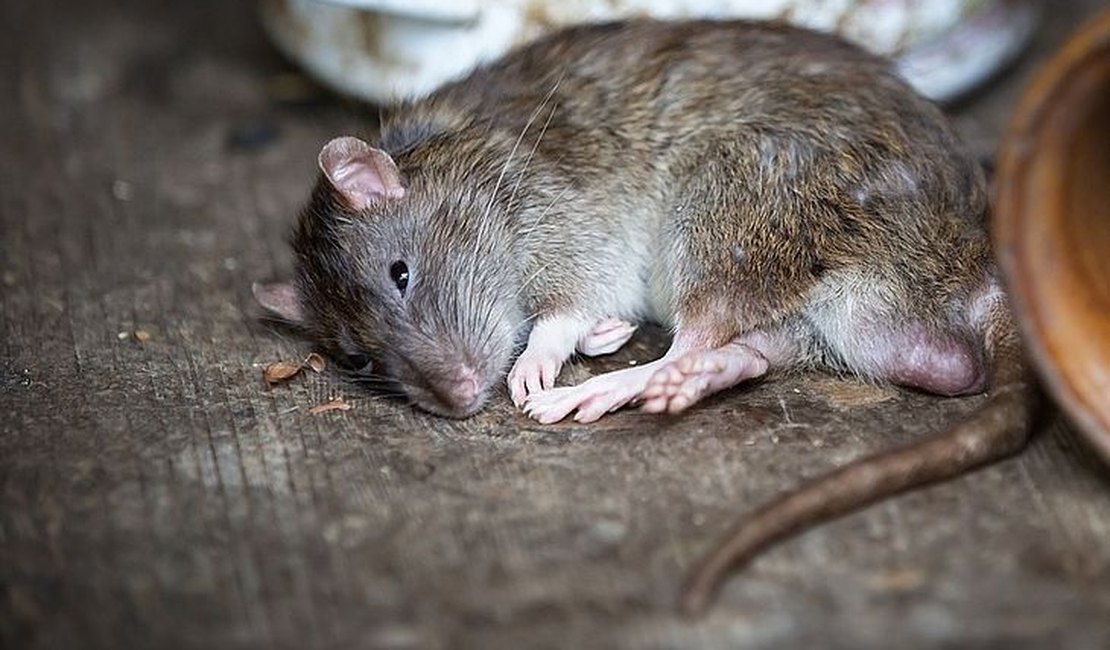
462, 392
465, 391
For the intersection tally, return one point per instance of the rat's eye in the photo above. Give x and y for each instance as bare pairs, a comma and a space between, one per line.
360, 362
400, 274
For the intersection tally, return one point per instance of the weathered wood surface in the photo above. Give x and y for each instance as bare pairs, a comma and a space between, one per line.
155, 494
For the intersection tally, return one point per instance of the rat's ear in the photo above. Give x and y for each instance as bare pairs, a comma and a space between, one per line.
360, 173
280, 298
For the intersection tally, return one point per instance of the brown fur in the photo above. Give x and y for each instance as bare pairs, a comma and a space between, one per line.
724, 178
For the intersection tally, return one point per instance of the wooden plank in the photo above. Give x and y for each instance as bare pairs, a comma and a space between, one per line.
155, 494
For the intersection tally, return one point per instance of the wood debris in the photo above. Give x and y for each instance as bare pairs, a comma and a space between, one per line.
315, 362
337, 404
906, 579
282, 371
275, 373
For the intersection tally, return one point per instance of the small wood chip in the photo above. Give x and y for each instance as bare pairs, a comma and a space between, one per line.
275, 373
906, 579
281, 371
315, 362
337, 404
142, 336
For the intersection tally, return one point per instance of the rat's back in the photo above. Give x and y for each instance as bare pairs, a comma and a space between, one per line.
660, 85
643, 101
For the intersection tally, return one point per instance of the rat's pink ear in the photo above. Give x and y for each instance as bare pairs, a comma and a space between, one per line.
281, 298
360, 173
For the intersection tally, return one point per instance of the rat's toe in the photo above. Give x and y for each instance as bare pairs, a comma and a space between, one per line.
550, 406
607, 337
533, 373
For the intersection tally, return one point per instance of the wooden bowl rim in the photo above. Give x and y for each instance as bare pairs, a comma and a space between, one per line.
1090, 46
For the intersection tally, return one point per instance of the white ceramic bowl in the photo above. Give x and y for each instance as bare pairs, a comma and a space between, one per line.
383, 50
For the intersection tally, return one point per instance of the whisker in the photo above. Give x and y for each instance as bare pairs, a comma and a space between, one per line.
529, 318
524, 285
379, 383
527, 234
532, 153
509, 159
362, 379
378, 396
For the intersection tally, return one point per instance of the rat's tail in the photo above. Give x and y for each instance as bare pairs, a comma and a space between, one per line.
997, 430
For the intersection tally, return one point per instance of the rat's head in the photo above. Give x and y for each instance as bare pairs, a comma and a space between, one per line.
404, 279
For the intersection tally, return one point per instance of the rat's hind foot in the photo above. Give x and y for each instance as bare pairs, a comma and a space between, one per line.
604, 393
606, 337
682, 383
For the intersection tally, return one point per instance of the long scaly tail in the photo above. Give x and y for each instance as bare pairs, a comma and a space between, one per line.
999, 429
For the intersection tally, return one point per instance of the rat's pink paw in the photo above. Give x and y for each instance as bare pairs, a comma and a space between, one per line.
672, 390
591, 399
681, 384
550, 406
606, 337
533, 372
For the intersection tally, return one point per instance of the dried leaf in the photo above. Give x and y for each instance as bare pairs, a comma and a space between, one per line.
337, 404
275, 373
315, 362
281, 371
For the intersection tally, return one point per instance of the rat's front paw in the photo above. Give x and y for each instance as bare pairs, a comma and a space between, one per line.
606, 337
550, 406
533, 371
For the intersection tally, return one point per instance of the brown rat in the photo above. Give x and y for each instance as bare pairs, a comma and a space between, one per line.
778, 197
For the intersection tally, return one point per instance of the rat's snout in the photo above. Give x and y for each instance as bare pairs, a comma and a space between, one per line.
462, 390
450, 364
457, 391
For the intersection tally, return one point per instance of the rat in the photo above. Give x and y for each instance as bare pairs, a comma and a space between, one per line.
779, 198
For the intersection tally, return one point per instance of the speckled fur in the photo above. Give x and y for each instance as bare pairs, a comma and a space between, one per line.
762, 189
736, 174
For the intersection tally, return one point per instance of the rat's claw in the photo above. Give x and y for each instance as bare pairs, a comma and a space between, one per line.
606, 337
550, 406
517, 391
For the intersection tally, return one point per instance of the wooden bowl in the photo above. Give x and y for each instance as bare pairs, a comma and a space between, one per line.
1052, 225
